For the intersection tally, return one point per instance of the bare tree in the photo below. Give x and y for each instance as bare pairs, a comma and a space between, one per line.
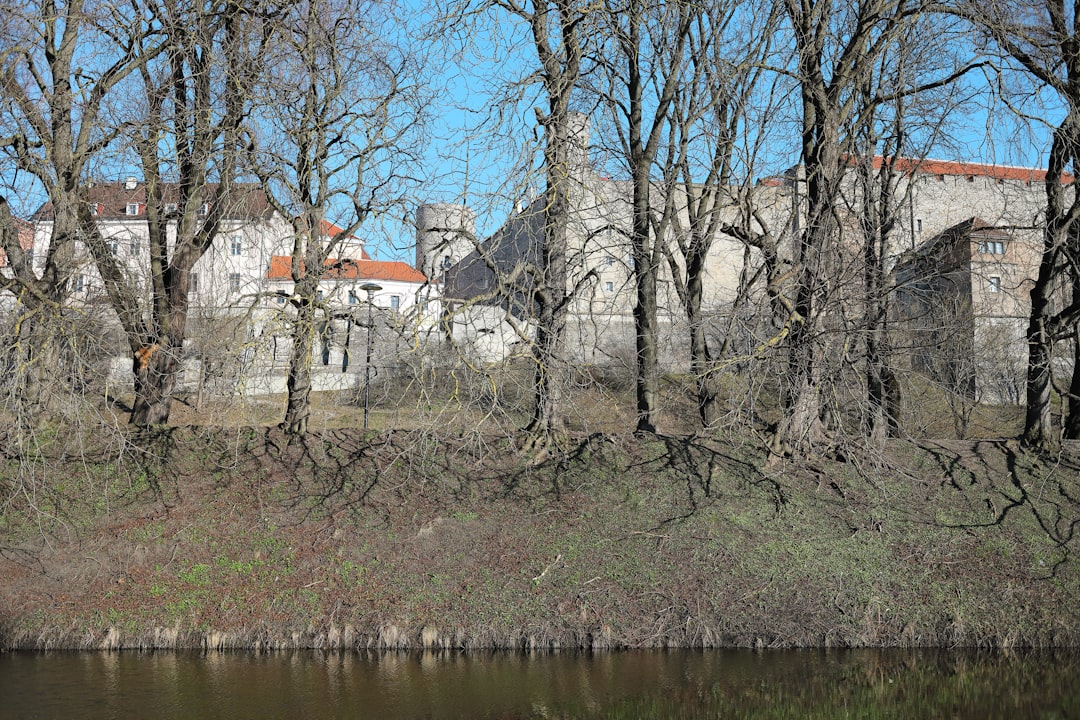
195, 98
645, 69
839, 49
334, 138
53, 129
710, 170
1042, 38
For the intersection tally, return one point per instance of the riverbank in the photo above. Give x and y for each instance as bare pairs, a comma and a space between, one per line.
239, 539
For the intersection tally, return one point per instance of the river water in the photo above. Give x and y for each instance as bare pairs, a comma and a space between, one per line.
675, 684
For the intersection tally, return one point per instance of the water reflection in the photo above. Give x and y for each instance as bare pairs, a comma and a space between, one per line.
441, 684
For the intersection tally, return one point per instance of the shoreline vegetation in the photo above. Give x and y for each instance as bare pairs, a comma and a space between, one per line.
245, 539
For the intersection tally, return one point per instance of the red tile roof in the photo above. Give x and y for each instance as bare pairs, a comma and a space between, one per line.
330, 230
25, 232
347, 269
930, 166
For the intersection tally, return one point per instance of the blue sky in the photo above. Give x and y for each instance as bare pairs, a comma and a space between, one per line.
473, 155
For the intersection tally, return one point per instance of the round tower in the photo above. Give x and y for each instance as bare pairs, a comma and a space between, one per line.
578, 135
445, 233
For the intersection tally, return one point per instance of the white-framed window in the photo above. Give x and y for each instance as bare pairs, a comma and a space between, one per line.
79, 283
395, 302
236, 245
353, 299
133, 208
95, 209
609, 286
133, 248
993, 284
992, 247
918, 225
609, 260
114, 246
170, 208
280, 299
234, 283
318, 295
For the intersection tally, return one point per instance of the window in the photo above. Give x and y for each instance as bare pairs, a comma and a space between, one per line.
236, 245
992, 247
114, 246
133, 208
95, 209
30, 257
353, 300
193, 284
79, 284
133, 248
918, 225
204, 210
234, 283
395, 302
170, 208
994, 285
609, 260
280, 299
609, 286
319, 295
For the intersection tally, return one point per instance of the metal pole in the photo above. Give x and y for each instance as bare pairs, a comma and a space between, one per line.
370, 289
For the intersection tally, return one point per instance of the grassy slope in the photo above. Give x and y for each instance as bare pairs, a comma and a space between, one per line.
236, 539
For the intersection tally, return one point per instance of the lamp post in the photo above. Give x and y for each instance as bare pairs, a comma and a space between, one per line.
370, 288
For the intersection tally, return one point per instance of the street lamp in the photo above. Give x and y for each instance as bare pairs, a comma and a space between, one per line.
370, 288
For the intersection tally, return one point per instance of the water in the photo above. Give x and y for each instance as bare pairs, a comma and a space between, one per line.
682, 684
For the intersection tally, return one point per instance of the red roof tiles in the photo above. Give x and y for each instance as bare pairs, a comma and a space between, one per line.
930, 166
347, 269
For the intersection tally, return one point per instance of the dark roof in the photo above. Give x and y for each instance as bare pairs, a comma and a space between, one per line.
246, 201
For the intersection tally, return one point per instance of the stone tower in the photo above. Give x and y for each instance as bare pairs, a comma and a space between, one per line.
445, 233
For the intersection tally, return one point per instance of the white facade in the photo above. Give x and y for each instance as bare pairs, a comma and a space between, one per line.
239, 309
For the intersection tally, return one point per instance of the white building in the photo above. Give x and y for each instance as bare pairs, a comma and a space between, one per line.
239, 289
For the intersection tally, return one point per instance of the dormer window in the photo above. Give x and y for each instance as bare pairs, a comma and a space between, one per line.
95, 209
204, 210
133, 208
170, 208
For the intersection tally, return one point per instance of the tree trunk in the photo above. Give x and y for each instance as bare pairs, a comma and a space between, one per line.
1038, 425
550, 294
298, 383
1072, 422
155, 367
700, 357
